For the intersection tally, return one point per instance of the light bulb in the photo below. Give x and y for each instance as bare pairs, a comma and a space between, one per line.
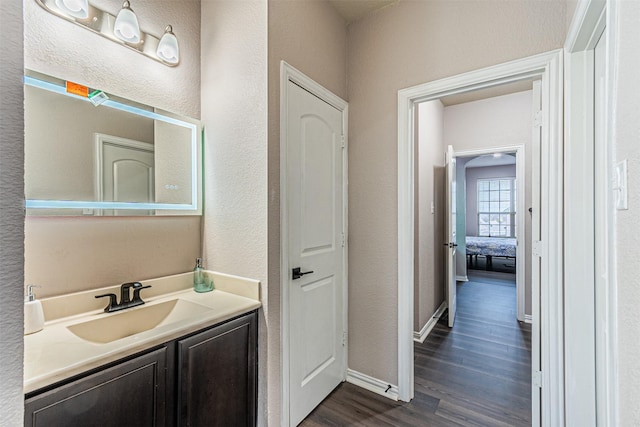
76, 8
126, 27
168, 49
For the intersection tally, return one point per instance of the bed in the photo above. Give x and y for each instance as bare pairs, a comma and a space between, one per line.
490, 247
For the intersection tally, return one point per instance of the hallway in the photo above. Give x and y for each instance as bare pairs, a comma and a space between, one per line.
477, 373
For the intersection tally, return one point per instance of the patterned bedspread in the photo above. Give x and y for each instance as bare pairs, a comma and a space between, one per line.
493, 246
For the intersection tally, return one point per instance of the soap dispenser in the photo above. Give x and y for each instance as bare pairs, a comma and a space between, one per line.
33, 314
200, 282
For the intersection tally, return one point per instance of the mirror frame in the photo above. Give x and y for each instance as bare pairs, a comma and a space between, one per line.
194, 208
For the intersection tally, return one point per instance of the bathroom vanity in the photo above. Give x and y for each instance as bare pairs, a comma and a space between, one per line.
197, 366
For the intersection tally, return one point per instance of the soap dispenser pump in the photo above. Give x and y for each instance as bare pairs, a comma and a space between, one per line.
200, 282
33, 314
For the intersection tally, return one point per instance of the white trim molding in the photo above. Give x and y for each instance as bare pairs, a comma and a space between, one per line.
590, 293
431, 323
372, 384
464, 278
528, 318
548, 67
289, 73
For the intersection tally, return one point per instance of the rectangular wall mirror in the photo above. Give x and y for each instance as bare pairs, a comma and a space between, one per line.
88, 153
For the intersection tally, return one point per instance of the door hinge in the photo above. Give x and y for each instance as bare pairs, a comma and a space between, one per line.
344, 338
537, 118
536, 248
343, 240
536, 379
343, 140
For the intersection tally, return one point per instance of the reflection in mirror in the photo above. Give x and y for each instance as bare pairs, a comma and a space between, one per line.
89, 153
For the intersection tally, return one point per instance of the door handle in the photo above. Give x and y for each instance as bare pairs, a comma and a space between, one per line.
450, 244
296, 273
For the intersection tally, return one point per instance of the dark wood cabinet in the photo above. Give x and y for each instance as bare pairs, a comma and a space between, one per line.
217, 376
131, 393
208, 378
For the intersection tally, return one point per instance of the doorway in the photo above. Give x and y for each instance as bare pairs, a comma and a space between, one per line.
494, 229
546, 299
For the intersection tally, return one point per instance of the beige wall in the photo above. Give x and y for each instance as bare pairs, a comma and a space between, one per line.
497, 122
627, 129
403, 45
312, 37
429, 286
11, 214
69, 254
234, 113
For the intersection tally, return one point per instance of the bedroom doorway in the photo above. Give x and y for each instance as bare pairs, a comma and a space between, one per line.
494, 225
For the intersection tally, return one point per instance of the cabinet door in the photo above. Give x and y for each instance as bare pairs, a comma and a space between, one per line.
217, 375
131, 393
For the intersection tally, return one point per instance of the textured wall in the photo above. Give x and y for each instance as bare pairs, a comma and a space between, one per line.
627, 128
429, 289
70, 254
11, 214
312, 37
409, 43
234, 112
62, 49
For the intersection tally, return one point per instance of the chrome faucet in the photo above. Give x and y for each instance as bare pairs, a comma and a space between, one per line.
125, 297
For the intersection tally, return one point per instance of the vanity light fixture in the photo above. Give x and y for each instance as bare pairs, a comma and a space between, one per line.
76, 8
126, 27
123, 29
168, 49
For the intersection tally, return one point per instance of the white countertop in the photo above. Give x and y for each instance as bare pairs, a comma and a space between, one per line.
55, 353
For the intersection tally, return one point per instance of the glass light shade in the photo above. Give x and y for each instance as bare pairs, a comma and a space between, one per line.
126, 27
168, 49
76, 8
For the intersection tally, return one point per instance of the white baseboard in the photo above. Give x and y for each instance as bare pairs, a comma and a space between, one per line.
462, 278
426, 329
372, 384
528, 318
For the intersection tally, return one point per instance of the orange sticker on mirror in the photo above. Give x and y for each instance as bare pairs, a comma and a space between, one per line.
77, 89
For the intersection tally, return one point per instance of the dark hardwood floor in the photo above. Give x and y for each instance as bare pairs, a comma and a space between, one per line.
476, 374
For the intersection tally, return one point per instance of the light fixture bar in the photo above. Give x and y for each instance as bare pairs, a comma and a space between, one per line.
102, 22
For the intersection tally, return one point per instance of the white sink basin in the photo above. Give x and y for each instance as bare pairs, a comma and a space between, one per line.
136, 320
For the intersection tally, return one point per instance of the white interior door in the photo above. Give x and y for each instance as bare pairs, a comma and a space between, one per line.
124, 172
450, 244
128, 175
316, 250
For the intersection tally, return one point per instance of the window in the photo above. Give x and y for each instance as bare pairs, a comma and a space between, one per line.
497, 207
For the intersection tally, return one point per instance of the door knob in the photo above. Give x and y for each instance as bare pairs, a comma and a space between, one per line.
451, 244
296, 273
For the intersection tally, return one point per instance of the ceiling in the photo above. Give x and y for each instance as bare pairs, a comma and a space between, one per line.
352, 10
490, 92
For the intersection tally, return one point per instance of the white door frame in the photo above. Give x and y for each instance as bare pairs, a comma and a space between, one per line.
547, 67
521, 211
290, 74
591, 351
